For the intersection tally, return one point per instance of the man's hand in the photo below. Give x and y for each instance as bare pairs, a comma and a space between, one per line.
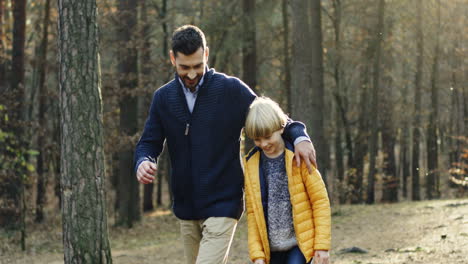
305, 151
259, 261
146, 171
321, 257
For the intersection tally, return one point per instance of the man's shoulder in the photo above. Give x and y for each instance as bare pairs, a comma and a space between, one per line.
166, 88
223, 77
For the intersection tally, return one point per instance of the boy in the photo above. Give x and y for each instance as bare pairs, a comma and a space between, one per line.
288, 211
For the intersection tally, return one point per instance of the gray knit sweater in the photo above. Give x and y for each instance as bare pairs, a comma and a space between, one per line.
279, 213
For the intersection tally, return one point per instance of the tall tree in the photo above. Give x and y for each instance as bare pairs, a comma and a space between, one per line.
301, 85
249, 50
340, 111
417, 102
286, 57
41, 162
432, 178
145, 66
317, 100
19, 38
129, 209
2, 49
84, 215
405, 140
373, 145
389, 131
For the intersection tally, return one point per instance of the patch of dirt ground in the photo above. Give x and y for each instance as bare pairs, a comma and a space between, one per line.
410, 232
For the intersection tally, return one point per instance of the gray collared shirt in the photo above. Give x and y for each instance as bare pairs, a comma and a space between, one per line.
189, 96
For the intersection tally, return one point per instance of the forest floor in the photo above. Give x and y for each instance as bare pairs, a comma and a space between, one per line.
409, 232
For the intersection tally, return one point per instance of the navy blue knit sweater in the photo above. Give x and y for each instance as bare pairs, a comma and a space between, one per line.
206, 177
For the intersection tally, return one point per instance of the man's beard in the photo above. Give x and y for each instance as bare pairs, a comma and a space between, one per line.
191, 84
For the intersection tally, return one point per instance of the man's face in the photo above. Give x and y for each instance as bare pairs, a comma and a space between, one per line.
190, 68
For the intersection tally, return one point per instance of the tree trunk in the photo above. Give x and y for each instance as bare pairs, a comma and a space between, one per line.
405, 139
374, 118
339, 156
249, 50
41, 163
432, 178
19, 38
417, 102
129, 205
389, 131
339, 159
317, 100
249, 53
82, 155
2, 50
145, 66
356, 179
301, 92
286, 57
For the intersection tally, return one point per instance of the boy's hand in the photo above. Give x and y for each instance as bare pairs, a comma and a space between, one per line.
305, 151
321, 257
145, 172
259, 261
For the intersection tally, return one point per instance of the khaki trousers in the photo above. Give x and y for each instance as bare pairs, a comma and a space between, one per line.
207, 241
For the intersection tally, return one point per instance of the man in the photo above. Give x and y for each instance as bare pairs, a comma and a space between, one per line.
201, 114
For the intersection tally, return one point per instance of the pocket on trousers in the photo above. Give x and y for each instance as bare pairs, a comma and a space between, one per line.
219, 226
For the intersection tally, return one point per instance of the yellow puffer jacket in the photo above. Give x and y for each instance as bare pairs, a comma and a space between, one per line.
310, 208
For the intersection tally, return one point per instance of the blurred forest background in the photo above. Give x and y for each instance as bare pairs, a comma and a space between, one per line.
380, 84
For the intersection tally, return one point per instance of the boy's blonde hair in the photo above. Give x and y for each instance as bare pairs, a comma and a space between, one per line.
265, 117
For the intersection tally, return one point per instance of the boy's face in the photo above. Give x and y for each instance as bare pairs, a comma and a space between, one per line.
272, 145
190, 68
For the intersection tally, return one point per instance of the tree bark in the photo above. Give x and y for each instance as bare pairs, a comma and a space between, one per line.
339, 156
318, 90
84, 217
41, 162
374, 118
389, 131
145, 66
129, 205
356, 179
19, 38
2, 50
249, 53
432, 178
405, 140
286, 57
417, 103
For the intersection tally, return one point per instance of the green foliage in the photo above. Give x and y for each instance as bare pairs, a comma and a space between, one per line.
14, 170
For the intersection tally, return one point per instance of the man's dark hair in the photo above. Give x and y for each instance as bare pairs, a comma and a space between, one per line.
187, 40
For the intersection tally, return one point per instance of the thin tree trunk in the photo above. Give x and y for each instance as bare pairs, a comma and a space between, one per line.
19, 38
432, 178
84, 214
318, 90
129, 205
375, 103
417, 103
339, 159
2, 50
405, 139
286, 57
338, 122
41, 162
145, 66
389, 131
249, 53
356, 179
